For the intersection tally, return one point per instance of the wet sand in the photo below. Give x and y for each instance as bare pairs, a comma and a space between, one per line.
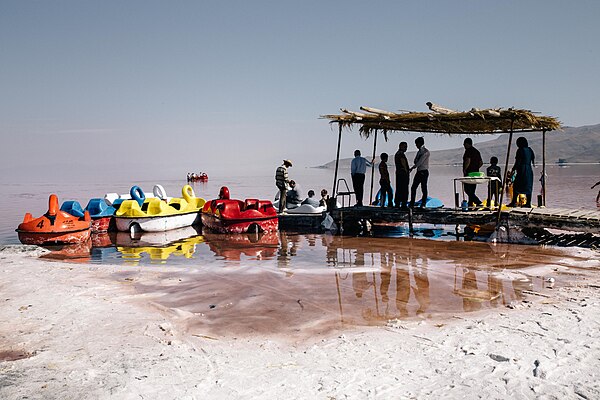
471, 330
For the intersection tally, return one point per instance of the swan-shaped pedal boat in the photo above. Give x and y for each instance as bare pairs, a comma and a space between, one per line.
160, 213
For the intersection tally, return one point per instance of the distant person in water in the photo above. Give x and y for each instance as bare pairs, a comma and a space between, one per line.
282, 181
385, 183
494, 171
471, 163
598, 196
310, 200
358, 169
523, 184
422, 175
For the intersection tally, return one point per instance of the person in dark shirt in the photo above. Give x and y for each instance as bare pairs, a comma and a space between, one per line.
310, 200
494, 171
293, 199
384, 182
471, 163
402, 176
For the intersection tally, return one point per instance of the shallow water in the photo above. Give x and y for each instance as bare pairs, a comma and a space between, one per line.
289, 283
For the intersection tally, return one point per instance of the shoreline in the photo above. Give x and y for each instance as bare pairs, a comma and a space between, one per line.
84, 331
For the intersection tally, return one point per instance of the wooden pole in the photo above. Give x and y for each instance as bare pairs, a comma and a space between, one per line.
510, 137
373, 168
544, 168
337, 161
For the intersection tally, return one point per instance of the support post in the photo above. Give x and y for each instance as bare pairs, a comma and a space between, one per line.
373, 168
337, 160
544, 168
510, 137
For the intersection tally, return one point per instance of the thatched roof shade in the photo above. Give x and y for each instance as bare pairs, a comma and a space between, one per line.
445, 121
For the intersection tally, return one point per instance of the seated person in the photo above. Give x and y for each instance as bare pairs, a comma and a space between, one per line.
310, 200
324, 198
293, 198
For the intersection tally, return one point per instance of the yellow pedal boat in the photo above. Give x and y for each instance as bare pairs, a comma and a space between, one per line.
159, 214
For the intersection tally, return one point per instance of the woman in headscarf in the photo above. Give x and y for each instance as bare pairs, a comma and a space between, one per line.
524, 161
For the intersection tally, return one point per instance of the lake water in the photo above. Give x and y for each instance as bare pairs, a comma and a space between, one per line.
333, 280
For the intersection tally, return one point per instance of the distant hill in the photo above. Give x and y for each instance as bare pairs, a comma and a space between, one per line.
572, 145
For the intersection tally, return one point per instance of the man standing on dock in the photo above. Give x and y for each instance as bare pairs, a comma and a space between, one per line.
385, 193
282, 180
402, 176
358, 168
422, 175
471, 163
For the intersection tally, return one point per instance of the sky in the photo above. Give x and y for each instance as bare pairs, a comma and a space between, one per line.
234, 87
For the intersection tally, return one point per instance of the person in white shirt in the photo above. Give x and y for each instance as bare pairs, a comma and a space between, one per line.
358, 168
422, 175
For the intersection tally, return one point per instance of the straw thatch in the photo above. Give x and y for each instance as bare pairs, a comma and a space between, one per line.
445, 121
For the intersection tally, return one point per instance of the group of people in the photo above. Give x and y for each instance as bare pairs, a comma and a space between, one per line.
421, 165
289, 192
522, 174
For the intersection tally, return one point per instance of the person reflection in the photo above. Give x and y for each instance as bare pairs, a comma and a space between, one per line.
469, 286
386, 272
402, 286
421, 290
360, 281
283, 256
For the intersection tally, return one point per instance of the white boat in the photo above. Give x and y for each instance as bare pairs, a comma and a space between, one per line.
156, 215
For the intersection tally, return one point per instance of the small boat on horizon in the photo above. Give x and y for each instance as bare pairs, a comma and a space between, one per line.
201, 177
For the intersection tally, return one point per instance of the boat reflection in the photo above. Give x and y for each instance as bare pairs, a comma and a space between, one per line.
78, 252
253, 246
310, 284
159, 246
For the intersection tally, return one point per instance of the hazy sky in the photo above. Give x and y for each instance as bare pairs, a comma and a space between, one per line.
239, 85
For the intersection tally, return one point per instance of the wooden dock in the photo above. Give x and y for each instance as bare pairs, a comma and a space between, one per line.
583, 221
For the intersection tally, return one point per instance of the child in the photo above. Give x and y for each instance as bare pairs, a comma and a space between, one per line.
494, 171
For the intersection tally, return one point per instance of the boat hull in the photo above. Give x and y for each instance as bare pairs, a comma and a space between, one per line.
101, 224
44, 238
224, 225
157, 224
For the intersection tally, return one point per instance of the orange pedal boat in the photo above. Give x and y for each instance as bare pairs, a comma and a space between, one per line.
54, 227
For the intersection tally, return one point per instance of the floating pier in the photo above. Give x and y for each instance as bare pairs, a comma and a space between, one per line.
582, 221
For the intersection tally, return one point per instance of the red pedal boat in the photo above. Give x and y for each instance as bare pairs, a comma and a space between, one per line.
226, 215
54, 227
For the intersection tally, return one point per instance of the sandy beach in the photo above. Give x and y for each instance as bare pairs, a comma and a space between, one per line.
78, 331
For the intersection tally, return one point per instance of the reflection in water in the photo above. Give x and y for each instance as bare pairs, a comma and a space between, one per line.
314, 283
133, 249
254, 246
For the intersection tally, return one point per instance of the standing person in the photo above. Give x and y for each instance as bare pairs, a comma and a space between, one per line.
281, 181
598, 196
494, 171
358, 168
422, 175
385, 183
471, 163
523, 184
402, 176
